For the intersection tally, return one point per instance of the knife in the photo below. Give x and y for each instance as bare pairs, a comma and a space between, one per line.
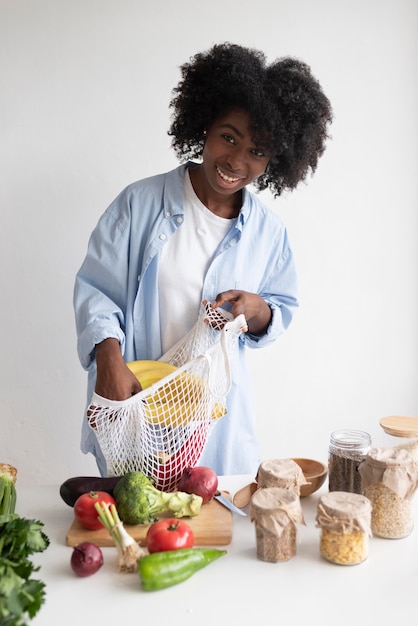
228, 504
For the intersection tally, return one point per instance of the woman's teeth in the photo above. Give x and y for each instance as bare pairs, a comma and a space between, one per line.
226, 178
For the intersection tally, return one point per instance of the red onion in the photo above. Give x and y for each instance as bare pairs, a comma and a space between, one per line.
202, 481
86, 559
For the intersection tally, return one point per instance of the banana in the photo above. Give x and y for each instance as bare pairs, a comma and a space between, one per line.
184, 387
149, 372
174, 403
175, 414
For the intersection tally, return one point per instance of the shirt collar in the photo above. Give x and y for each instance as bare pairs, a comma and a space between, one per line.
174, 194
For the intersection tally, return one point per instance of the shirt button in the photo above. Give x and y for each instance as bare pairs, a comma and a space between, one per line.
168, 213
162, 237
179, 220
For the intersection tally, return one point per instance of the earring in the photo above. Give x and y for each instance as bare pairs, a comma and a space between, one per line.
205, 132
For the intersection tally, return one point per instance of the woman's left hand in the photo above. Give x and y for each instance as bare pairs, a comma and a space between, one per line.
255, 310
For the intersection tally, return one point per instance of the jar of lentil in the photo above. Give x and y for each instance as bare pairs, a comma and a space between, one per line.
283, 473
275, 512
344, 519
347, 448
389, 478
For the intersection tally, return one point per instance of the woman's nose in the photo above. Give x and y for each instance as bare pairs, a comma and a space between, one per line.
236, 159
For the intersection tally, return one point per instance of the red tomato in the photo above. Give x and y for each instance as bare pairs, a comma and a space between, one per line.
84, 510
169, 534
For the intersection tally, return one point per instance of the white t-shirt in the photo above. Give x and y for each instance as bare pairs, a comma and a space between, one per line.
184, 262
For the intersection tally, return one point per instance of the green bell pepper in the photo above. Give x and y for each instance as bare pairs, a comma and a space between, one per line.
164, 569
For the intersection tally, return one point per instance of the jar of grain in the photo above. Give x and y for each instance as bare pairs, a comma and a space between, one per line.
389, 479
344, 519
347, 448
275, 512
283, 473
400, 430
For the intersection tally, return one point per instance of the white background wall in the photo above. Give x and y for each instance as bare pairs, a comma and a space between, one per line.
85, 88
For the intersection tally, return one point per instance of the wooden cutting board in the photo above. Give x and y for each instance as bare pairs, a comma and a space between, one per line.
212, 527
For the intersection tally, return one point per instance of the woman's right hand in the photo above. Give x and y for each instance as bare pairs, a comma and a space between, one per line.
114, 381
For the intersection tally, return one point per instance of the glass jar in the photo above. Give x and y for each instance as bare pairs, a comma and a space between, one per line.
275, 512
389, 478
347, 448
344, 519
399, 430
284, 473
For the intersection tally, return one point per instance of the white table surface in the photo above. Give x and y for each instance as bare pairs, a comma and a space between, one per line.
236, 589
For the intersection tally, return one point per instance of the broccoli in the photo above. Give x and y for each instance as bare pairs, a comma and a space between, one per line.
138, 501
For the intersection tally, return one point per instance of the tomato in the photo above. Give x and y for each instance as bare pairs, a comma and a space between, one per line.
169, 534
84, 510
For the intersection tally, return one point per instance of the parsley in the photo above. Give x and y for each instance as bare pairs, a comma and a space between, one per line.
21, 595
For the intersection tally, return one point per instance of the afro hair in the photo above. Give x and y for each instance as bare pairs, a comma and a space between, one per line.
288, 110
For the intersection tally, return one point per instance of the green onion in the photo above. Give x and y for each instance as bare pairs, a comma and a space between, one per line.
129, 551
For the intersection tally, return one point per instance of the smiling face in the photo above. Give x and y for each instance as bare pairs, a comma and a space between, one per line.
231, 159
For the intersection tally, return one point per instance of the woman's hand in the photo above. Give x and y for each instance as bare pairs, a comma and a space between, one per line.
115, 380
255, 310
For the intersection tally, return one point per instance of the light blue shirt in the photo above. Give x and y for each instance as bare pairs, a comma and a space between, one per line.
116, 295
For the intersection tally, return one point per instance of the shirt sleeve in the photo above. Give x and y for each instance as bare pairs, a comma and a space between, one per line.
100, 291
280, 292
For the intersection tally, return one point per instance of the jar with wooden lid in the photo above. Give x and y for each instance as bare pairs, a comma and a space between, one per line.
344, 519
347, 448
389, 479
283, 473
399, 430
275, 512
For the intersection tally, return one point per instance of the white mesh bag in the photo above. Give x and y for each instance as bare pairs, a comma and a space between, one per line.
163, 429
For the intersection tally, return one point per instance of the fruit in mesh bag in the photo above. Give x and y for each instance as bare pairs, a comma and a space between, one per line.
178, 413
185, 387
149, 372
177, 401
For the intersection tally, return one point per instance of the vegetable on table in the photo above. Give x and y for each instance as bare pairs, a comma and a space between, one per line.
7, 489
129, 551
169, 534
84, 508
86, 559
21, 595
165, 569
73, 488
202, 481
138, 501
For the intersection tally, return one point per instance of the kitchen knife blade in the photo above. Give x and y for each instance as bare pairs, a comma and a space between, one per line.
228, 504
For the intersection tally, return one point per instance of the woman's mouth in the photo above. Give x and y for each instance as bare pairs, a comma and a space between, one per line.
226, 178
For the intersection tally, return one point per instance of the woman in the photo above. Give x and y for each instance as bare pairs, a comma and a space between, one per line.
169, 242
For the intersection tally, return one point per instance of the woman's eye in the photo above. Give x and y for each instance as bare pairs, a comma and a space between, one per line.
258, 153
228, 138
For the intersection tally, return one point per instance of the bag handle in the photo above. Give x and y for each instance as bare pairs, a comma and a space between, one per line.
236, 326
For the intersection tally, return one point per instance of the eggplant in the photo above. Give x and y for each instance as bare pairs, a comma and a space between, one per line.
72, 488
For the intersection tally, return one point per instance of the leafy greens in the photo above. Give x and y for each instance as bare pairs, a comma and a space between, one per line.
21, 595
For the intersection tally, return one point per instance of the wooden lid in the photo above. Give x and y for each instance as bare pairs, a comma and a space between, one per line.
400, 426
